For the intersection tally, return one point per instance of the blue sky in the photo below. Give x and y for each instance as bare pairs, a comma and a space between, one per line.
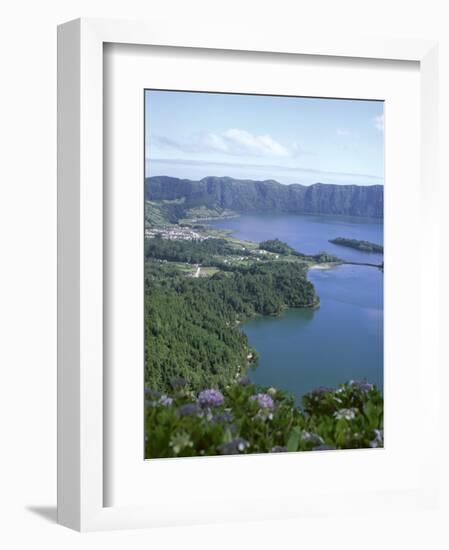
289, 139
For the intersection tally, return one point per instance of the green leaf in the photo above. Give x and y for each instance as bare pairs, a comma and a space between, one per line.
293, 440
372, 413
227, 436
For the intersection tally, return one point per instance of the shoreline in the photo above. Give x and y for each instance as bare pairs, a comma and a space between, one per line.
325, 265
209, 218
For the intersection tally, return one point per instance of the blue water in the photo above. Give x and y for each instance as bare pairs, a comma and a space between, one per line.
343, 339
308, 234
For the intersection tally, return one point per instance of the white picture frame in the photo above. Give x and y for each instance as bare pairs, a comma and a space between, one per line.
81, 403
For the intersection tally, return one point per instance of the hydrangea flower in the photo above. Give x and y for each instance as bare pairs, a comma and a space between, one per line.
180, 441
272, 391
362, 385
189, 409
244, 381
378, 440
165, 400
233, 447
346, 414
210, 398
263, 400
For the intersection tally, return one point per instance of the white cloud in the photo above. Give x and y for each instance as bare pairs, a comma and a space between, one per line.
343, 132
234, 141
379, 122
243, 142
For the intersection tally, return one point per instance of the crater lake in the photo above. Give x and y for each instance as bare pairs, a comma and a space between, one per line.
342, 340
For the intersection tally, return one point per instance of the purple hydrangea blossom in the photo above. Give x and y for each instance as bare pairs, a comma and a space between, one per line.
263, 400
362, 385
244, 381
165, 400
210, 398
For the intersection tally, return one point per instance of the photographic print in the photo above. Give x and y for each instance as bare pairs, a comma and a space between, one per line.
263, 274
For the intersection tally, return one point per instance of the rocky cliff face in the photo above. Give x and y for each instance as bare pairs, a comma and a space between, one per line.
268, 196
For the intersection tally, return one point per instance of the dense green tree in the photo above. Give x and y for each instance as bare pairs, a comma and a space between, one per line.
364, 246
204, 252
191, 324
276, 246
